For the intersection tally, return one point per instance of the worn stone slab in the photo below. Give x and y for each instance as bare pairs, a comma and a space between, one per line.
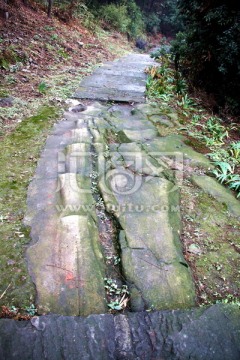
143, 135
104, 94
114, 81
119, 72
204, 333
147, 210
64, 257
110, 85
174, 144
134, 158
77, 159
66, 266
219, 192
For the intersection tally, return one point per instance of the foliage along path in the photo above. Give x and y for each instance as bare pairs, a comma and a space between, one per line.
105, 224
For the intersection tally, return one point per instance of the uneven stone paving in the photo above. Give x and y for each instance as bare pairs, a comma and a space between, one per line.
107, 159
107, 187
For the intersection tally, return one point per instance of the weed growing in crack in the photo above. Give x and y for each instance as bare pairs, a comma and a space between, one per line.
119, 296
114, 260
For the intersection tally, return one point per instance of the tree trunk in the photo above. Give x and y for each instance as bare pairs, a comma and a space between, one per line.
50, 2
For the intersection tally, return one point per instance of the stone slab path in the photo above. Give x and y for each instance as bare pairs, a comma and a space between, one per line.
105, 189
122, 80
104, 206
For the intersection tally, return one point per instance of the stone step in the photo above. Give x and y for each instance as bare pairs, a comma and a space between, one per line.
122, 80
205, 333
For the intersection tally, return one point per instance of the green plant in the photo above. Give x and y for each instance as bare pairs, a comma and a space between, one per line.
119, 296
223, 171
31, 310
63, 53
208, 48
227, 162
54, 36
136, 26
235, 149
42, 87
115, 305
234, 183
4, 64
186, 103
11, 79
230, 299
160, 80
217, 130
195, 119
115, 259
116, 16
152, 22
49, 28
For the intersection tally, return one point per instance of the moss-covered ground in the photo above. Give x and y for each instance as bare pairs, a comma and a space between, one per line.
211, 240
19, 152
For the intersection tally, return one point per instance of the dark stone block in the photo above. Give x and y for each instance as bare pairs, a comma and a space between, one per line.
203, 333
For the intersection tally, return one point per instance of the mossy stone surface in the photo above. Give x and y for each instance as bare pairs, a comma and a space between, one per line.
151, 252
219, 192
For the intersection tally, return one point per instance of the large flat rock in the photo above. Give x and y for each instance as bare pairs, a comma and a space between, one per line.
122, 80
64, 258
219, 192
204, 333
148, 212
118, 146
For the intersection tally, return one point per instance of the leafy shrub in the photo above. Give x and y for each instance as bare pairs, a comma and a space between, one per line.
209, 48
152, 22
116, 16
136, 26
125, 17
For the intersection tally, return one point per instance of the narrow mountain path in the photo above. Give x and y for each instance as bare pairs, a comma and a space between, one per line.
102, 190
104, 211
104, 205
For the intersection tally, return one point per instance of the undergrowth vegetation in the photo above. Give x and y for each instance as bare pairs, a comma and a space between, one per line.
125, 17
168, 87
208, 48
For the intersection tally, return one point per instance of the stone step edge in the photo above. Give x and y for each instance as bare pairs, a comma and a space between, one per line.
200, 333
